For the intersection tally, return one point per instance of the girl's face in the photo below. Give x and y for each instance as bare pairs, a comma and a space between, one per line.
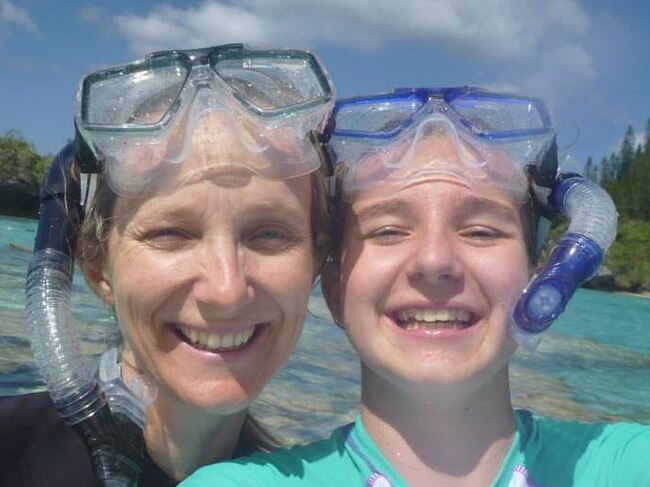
210, 284
428, 275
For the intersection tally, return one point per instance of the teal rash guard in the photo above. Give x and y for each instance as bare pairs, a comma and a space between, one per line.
544, 453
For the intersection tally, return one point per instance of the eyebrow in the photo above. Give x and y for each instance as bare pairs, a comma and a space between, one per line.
473, 203
387, 207
469, 204
184, 211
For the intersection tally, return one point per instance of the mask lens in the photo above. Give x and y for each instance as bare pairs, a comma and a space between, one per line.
499, 116
268, 84
379, 117
141, 96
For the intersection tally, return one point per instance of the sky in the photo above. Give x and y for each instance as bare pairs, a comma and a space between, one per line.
588, 59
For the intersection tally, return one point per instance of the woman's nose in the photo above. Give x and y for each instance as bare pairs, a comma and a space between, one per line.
223, 281
434, 260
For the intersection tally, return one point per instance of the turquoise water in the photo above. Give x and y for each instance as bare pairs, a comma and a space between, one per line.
594, 364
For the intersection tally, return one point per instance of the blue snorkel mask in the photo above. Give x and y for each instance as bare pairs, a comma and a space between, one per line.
504, 139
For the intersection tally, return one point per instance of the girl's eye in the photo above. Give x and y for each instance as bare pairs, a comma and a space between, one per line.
387, 235
482, 233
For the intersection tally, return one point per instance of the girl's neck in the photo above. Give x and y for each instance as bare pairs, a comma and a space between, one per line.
447, 437
181, 439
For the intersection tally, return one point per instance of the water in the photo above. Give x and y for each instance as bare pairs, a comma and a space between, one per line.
594, 364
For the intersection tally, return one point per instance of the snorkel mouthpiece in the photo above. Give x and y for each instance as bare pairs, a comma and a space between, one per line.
575, 257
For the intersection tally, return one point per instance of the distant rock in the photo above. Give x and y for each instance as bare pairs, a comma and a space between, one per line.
18, 198
604, 280
15, 246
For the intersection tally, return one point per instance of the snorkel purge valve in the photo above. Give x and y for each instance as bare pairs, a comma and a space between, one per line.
386, 127
116, 449
574, 258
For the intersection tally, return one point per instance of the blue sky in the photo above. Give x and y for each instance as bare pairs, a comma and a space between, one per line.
588, 59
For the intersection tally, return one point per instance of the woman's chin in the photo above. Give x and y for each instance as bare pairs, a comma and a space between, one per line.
220, 400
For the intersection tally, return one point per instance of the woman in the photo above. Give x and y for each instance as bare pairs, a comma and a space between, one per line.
204, 234
442, 191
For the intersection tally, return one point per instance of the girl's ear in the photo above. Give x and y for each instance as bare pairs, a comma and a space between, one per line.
99, 280
330, 283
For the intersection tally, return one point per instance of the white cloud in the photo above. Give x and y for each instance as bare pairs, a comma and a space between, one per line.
539, 43
12, 15
494, 28
562, 68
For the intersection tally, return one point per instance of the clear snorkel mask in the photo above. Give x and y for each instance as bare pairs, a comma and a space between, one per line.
251, 108
505, 140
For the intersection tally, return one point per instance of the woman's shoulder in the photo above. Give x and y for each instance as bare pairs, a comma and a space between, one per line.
37, 447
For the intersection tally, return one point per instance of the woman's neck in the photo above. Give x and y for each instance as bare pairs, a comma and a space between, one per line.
447, 437
181, 439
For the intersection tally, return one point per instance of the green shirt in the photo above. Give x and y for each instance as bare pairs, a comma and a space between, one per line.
545, 453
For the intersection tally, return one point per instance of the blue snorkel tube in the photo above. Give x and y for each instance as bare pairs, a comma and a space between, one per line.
115, 444
574, 258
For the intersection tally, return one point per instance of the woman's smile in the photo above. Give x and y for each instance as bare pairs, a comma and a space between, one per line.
210, 285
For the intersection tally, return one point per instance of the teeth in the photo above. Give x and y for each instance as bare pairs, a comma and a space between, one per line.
416, 319
214, 341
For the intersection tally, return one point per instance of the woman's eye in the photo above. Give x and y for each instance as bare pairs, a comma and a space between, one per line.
270, 233
272, 238
167, 237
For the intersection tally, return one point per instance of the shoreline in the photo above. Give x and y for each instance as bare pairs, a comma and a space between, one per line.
642, 294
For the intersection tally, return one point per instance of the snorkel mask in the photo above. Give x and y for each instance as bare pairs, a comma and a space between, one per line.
502, 139
137, 124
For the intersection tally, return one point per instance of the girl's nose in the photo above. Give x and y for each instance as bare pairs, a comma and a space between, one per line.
435, 260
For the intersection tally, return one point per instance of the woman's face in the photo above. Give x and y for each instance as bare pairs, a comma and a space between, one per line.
210, 284
429, 272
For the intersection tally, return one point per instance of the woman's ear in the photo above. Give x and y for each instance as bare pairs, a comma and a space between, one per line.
330, 283
99, 280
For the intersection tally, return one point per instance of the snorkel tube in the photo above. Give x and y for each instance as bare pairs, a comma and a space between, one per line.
574, 258
75, 392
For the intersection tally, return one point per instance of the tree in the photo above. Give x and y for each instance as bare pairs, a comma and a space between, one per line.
605, 178
19, 161
626, 156
591, 172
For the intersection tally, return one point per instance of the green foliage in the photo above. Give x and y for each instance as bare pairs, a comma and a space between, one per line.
626, 177
629, 256
20, 162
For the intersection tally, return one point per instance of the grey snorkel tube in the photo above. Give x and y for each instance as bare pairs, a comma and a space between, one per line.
76, 393
575, 256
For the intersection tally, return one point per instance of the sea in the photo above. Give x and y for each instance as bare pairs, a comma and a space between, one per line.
593, 364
